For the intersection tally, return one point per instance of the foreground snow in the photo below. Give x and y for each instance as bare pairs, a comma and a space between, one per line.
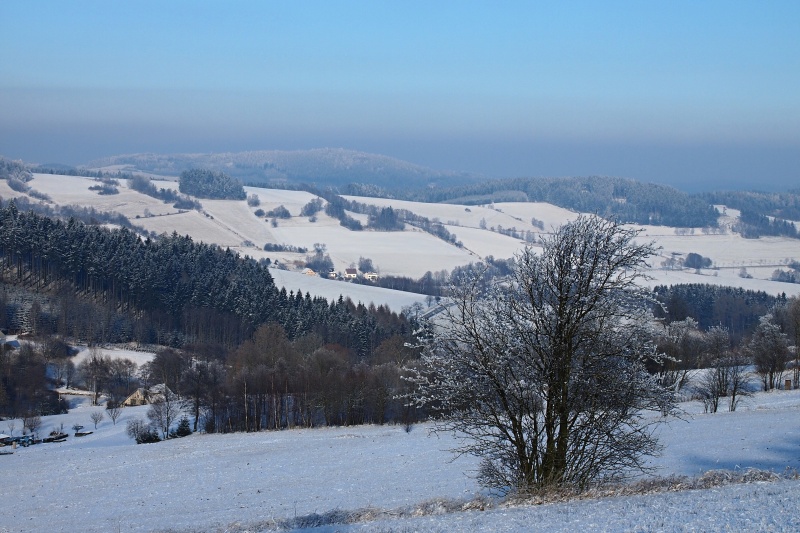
750, 507
104, 482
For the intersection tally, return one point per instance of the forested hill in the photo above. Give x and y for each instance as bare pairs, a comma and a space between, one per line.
762, 213
784, 205
326, 167
186, 291
629, 200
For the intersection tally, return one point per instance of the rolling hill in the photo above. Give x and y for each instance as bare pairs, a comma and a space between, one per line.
328, 166
499, 230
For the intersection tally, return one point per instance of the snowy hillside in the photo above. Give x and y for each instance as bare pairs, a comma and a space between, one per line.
412, 252
250, 482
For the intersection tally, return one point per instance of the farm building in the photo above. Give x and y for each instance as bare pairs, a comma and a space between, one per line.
144, 396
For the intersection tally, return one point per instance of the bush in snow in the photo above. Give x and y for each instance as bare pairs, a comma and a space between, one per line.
141, 432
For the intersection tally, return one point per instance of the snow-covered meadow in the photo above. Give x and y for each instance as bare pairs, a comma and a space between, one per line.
251, 482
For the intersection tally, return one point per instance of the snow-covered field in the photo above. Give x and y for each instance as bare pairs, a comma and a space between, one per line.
332, 289
242, 482
137, 356
412, 252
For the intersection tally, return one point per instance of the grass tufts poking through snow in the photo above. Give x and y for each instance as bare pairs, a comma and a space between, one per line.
655, 485
446, 506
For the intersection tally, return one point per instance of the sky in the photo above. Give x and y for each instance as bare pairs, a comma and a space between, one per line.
699, 95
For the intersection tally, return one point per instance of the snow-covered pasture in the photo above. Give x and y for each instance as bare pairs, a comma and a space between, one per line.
139, 357
332, 289
69, 190
105, 482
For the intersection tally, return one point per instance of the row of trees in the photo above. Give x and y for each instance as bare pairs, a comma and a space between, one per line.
737, 309
753, 225
724, 363
268, 382
143, 185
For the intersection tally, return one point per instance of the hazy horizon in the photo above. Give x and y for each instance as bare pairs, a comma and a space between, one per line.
698, 96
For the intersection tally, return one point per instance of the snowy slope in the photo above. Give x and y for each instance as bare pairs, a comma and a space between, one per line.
105, 482
412, 252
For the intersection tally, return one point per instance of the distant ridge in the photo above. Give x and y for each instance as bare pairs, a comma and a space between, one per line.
321, 166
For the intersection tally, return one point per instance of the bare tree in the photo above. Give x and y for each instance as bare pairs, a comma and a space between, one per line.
135, 428
32, 422
94, 370
164, 411
712, 386
792, 321
114, 410
679, 343
716, 379
544, 374
11, 427
739, 380
97, 417
769, 349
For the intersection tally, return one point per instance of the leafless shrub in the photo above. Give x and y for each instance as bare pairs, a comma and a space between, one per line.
32, 422
97, 417
114, 410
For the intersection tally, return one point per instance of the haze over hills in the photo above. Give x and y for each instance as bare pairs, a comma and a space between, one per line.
323, 166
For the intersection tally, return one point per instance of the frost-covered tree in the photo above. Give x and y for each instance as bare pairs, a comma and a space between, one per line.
680, 342
543, 373
726, 374
769, 348
164, 411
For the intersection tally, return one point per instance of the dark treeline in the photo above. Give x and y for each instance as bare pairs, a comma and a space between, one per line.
389, 219
143, 185
335, 208
628, 200
272, 382
171, 275
737, 309
96, 285
380, 218
784, 205
386, 220
753, 225
86, 215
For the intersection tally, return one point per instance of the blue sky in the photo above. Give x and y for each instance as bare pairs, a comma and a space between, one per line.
696, 94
